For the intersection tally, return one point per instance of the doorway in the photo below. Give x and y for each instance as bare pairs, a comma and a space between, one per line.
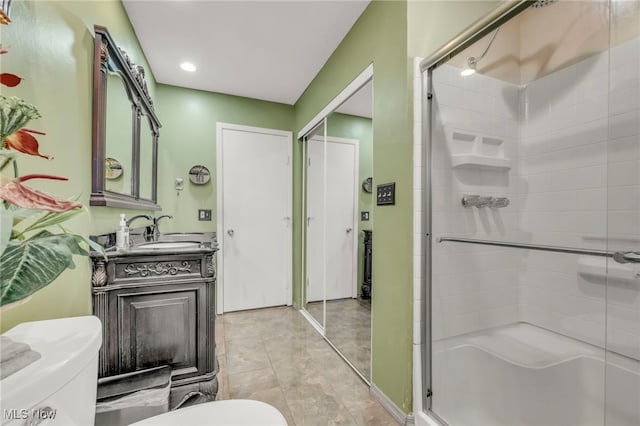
338, 215
254, 193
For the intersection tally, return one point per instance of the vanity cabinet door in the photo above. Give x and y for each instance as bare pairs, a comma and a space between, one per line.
162, 325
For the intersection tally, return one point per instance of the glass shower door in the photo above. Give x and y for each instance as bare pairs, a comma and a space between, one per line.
520, 223
623, 211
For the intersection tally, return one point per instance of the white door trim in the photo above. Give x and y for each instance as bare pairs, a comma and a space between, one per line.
220, 126
356, 219
362, 79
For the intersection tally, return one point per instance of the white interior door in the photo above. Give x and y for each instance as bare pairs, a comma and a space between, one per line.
340, 209
315, 219
254, 217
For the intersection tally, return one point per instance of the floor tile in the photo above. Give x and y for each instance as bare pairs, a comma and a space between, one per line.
242, 385
275, 356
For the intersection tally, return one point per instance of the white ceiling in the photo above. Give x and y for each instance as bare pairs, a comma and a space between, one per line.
360, 103
268, 50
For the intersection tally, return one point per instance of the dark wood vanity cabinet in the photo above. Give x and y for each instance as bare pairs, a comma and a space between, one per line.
158, 309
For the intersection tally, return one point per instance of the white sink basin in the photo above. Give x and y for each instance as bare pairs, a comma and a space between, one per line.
170, 245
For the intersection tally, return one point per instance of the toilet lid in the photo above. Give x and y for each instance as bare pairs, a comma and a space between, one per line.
232, 412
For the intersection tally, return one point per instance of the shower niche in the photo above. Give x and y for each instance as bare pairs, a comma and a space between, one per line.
474, 150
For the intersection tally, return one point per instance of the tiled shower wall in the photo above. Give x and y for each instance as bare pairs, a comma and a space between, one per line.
623, 181
474, 287
562, 198
573, 138
577, 185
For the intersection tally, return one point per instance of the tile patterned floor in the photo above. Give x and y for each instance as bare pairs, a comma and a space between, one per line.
349, 329
274, 355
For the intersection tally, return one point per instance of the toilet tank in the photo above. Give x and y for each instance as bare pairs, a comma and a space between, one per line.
60, 387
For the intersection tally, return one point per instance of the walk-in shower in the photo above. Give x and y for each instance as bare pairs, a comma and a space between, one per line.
532, 219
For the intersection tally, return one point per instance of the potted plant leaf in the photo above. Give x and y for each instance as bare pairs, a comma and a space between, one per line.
35, 247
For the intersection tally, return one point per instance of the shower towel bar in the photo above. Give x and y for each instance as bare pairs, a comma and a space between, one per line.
569, 250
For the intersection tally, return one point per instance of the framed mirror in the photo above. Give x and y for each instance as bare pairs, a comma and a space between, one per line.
125, 130
338, 152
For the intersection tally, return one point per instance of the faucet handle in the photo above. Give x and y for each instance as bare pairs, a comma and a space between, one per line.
499, 202
156, 225
157, 219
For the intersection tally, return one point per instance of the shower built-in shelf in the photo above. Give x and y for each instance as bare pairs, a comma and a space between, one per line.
480, 162
478, 151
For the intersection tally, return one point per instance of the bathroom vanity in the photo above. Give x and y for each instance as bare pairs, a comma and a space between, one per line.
156, 304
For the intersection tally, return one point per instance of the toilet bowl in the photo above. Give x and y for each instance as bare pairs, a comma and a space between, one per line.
62, 383
232, 412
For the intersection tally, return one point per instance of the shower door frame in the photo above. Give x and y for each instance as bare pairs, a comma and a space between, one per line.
501, 14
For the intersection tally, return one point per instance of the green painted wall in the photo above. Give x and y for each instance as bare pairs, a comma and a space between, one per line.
188, 137
51, 46
380, 37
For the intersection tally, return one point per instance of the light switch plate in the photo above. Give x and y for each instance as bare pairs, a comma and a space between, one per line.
204, 214
386, 194
364, 216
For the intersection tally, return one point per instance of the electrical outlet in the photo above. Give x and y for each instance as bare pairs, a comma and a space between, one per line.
364, 216
204, 214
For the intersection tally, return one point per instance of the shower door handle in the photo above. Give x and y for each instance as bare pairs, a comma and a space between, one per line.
627, 256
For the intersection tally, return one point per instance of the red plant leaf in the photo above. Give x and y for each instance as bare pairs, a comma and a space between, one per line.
10, 80
21, 140
39, 176
22, 196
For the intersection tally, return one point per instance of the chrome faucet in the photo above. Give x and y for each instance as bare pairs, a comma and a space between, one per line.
155, 228
139, 216
146, 232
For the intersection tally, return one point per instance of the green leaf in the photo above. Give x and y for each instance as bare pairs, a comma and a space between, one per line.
52, 218
76, 246
33, 264
92, 245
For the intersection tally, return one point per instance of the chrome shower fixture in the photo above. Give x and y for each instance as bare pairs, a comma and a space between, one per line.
475, 201
479, 201
472, 62
499, 202
542, 3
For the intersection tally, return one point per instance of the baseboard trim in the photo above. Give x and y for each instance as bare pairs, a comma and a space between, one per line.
391, 407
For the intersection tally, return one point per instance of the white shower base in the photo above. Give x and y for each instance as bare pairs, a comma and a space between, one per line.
521, 374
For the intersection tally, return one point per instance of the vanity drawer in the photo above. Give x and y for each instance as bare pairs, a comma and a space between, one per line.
135, 270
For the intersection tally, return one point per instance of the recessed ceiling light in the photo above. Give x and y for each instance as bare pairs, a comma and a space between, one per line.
188, 66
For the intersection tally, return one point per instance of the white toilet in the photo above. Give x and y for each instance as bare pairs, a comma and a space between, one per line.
61, 386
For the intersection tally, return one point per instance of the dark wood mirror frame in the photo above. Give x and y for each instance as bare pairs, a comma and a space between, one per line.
105, 50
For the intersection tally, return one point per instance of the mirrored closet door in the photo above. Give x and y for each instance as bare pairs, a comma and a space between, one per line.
338, 202
315, 166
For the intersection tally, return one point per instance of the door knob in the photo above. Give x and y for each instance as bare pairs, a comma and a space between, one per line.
230, 232
349, 230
